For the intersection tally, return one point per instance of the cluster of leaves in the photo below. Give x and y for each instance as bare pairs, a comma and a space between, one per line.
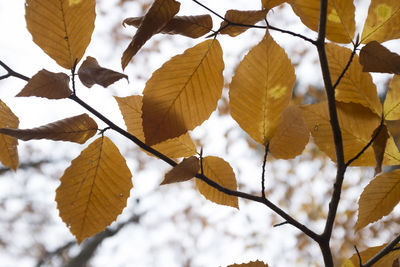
185, 90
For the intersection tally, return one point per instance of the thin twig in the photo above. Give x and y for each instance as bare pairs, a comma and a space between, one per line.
12, 73
347, 66
263, 170
386, 250
359, 256
280, 224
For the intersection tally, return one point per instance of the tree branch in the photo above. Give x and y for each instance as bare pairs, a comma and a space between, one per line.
386, 250
263, 171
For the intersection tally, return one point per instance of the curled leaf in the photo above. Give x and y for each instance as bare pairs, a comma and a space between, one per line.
8, 144
189, 26
159, 14
47, 84
184, 171
94, 189
247, 17
74, 129
91, 73
374, 57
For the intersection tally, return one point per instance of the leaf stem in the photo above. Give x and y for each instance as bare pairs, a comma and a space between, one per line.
263, 171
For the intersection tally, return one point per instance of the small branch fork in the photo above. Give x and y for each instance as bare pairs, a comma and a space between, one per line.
290, 220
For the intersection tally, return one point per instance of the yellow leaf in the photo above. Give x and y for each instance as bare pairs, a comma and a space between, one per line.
379, 146
91, 73
379, 198
189, 26
74, 129
291, 135
131, 109
183, 92
391, 105
8, 144
383, 21
184, 171
47, 84
220, 172
340, 25
376, 58
261, 89
268, 4
357, 124
248, 17
159, 14
356, 86
386, 261
63, 30
94, 189
250, 264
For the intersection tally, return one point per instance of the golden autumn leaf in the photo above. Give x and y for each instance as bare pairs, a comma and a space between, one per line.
250, 264
367, 254
379, 146
131, 109
159, 14
357, 124
47, 84
8, 145
184, 171
356, 86
261, 89
340, 25
379, 198
391, 106
90, 73
94, 189
61, 29
183, 92
374, 57
268, 4
291, 135
222, 173
394, 130
248, 17
74, 129
189, 26
383, 21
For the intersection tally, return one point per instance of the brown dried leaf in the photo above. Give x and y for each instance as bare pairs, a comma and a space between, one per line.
379, 146
189, 26
268, 4
248, 17
47, 84
91, 73
250, 264
394, 130
74, 129
184, 171
8, 144
376, 58
159, 14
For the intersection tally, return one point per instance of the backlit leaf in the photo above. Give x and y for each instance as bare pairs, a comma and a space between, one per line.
391, 105
261, 89
383, 21
91, 73
94, 189
248, 17
357, 124
220, 172
189, 26
356, 86
184, 171
159, 14
367, 254
250, 264
376, 58
131, 109
63, 30
47, 84
8, 144
74, 129
268, 4
379, 146
340, 25
291, 135
379, 198
183, 92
